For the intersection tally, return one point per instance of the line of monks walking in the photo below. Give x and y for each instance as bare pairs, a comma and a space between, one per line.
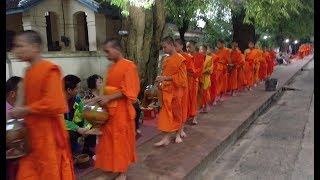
192, 81
304, 50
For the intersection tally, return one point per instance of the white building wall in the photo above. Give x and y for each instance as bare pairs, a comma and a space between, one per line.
82, 64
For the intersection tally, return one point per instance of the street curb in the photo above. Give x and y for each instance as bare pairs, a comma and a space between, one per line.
237, 133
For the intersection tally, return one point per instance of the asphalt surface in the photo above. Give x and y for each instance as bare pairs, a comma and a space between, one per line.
279, 144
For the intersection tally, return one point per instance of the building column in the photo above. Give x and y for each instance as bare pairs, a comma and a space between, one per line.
36, 23
100, 29
70, 33
92, 34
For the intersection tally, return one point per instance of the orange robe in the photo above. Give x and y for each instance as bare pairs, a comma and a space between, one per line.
213, 79
190, 92
258, 59
263, 71
233, 76
198, 59
241, 70
116, 148
222, 72
272, 55
170, 115
302, 51
270, 63
250, 65
50, 155
207, 71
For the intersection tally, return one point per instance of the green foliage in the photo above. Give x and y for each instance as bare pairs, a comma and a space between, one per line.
218, 25
184, 11
266, 12
124, 4
270, 12
297, 26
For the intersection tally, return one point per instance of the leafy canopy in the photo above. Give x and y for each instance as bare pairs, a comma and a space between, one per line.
124, 4
184, 11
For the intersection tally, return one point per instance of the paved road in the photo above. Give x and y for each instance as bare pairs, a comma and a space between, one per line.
279, 145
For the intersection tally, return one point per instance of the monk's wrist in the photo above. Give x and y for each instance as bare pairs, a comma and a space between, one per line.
27, 110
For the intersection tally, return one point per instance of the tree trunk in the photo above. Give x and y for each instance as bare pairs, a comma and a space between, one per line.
242, 33
182, 31
142, 45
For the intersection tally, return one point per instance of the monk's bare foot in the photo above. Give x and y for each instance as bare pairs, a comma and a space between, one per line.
178, 139
203, 110
164, 142
206, 109
122, 176
214, 103
138, 131
194, 121
183, 134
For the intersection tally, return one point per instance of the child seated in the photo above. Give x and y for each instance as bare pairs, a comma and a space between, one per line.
77, 126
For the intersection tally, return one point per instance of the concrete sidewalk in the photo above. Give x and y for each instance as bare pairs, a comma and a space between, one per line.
216, 130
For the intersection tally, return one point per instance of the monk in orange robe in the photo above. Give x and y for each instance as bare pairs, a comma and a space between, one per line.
273, 54
190, 94
222, 73
207, 70
263, 72
258, 59
233, 73
174, 81
242, 81
238, 58
42, 109
213, 79
302, 51
198, 60
270, 62
116, 148
250, 57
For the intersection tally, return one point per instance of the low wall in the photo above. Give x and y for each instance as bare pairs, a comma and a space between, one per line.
82, 64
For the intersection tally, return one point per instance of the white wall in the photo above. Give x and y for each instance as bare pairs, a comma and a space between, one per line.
82, 64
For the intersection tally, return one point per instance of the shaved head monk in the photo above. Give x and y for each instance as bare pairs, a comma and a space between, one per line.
222, 74
116, 148
259, 59
238, 57
269, 61
198, 59
263, 71
190, 94
43, 103
273, 56
207, 70
211, 52
236, 61
251, 58
173, 84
